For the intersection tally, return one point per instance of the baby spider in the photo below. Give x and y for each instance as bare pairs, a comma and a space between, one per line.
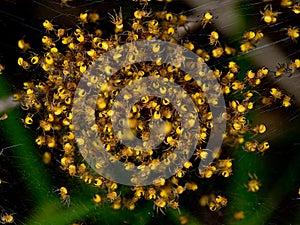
293, 33
63, 192
268, 15
48, 25
160, 204
139, 14
214, 38
117, 20
253, 183
7, 218
206, 19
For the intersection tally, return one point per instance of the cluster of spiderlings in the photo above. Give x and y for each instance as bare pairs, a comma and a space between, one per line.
48, 102
68, 53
